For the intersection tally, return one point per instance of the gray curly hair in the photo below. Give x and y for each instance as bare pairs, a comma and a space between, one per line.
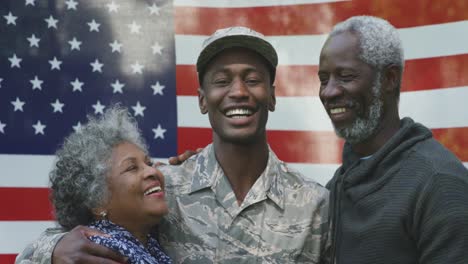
78, 179
380, 43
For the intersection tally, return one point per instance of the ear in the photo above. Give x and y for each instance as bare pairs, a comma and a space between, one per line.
202, 101
272, 103
391, 79
97, 212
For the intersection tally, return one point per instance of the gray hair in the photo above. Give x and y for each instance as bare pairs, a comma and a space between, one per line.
78, 178
380, 43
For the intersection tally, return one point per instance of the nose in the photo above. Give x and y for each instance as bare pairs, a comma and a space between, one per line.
330, 90
239, 89
152, 172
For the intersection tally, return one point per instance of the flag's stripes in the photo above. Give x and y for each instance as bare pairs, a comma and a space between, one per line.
308, 19
438, 40
17, 234
246, 3
420, 74
438, 108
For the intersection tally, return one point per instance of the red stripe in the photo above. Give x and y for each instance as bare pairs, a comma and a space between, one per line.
26, 204
455, 139
7, 258
420, 74
434, 73
290, 146
316, 18
317, 146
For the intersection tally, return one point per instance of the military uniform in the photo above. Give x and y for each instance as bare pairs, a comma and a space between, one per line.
283, 218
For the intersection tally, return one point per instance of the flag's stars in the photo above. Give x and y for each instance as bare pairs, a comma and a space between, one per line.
154, 9
157, 88
15, 61
77, 85
117, 86
71, 4
137, 68
10, 19
51, 22
39, 128
93, 26
159, 132
2, 126
113, 7
36, 83
18, 105
157, 48
98, 108
30, 2
97, 66
55, 64
57, 105
116, 46
138, 108
77, 127
74, 44
33, 41
134, 27
1, 80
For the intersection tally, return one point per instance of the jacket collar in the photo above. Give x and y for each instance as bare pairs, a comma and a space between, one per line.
270, 184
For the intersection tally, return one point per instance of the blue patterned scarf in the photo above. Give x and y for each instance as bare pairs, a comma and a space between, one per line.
126, 244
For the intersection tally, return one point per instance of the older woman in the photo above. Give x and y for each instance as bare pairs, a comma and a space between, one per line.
103, 178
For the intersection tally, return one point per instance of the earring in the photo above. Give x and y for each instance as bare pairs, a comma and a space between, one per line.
103, 214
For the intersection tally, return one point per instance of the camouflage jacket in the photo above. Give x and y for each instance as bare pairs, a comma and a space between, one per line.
283, 218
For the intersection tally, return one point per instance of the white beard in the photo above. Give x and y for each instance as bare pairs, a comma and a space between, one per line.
364, 127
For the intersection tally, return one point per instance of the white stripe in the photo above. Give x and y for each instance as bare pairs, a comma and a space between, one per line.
419, 42
440, 108
247, 3
17, 234
29, 170
320, 173
25, 170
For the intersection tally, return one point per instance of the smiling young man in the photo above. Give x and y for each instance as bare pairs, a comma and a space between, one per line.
400, 196
235, 201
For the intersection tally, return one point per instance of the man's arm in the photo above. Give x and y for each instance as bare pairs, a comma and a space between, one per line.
73, 247
318, 244
40, 251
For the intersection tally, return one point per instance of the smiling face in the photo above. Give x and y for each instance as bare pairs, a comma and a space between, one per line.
136, 189
237, 95
350, 89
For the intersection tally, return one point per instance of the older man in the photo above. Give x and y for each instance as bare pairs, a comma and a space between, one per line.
399, 196
235, 201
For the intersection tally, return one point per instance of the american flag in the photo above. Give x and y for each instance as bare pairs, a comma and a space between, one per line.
63, 59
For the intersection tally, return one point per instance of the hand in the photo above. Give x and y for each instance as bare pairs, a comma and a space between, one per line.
183, 157
75, 247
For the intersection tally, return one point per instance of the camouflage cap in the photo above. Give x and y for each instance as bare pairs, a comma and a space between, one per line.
236, 37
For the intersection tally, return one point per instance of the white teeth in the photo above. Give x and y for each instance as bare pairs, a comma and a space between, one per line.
337, 110
238, 112
152, 190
